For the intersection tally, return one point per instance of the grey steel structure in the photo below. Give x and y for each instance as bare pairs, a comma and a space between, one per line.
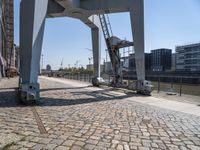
32, 23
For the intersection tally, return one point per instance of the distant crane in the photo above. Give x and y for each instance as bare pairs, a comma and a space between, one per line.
76, 64
61, 64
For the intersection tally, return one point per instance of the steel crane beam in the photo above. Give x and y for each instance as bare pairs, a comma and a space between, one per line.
32, 23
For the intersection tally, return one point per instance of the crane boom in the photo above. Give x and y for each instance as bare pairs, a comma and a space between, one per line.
113, 45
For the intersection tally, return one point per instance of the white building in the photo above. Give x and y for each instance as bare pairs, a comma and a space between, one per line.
188, 57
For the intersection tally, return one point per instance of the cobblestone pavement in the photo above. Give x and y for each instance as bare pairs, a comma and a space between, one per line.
86, 118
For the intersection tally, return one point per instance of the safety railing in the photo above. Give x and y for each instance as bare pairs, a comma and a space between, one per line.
173, 84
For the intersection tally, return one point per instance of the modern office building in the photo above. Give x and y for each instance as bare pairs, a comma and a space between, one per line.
130, 62
161, 59
173, 68
147, 61
7, 50
188, 57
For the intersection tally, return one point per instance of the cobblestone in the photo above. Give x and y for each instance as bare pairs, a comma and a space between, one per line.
84, 117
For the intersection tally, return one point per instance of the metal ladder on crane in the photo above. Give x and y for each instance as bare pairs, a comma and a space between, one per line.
106, 26
112, 50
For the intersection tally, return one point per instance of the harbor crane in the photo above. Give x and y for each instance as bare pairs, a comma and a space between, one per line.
33, 14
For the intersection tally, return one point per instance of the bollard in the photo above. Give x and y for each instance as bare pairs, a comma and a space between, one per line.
158, 84
172, 83
181, 84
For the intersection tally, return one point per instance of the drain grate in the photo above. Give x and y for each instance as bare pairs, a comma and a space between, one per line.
39, 121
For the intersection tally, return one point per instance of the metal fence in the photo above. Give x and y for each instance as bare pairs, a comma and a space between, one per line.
79, 77
174, 84
177, 85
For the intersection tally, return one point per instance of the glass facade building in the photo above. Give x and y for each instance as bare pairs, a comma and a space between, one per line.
161, 59
188, 57
132, 65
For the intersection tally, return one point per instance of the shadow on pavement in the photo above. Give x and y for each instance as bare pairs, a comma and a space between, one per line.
10, 98
67, 102
63, 88
94, 96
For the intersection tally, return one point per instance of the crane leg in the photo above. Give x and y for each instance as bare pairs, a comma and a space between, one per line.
137, 23
96, 55
32, 22
94, 23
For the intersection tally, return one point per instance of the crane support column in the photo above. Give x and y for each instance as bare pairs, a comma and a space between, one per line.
94, 23
32, 22
137, 23
96, 54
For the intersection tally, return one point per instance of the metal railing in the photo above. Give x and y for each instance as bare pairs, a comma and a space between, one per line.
79, 77
176, 84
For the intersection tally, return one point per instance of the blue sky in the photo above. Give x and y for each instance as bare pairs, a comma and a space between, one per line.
167, 23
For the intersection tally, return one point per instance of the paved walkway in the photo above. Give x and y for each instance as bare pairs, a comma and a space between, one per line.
73, 115
186, 104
